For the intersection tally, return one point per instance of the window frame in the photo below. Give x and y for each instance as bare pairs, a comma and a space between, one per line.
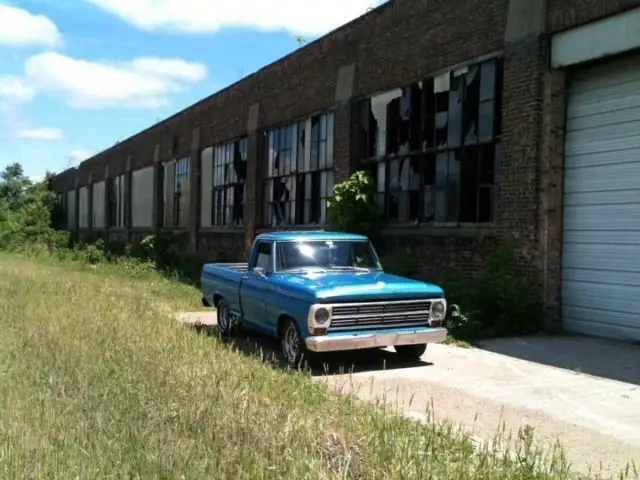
181, 177
305, 167
366, 140
276, 243
256, 255
226, 180
117, 202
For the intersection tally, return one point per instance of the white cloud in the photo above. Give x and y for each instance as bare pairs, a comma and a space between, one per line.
36, 178
303, 17
171, 68
78, 156
15, 90
20, 28
141, 83
42, 133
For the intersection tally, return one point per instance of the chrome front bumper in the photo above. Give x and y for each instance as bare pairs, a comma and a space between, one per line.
355, 341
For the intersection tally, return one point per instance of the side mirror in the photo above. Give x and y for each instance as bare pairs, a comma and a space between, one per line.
259, 272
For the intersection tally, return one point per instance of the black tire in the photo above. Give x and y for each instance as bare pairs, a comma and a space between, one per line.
292, 344
225, 327
411, 352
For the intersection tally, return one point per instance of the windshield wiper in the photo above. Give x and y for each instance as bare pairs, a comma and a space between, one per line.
353, 268
305, 270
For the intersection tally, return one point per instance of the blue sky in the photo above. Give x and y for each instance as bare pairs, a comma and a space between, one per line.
78, 75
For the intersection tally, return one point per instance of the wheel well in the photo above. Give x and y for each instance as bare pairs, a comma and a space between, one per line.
282, 319
216, 300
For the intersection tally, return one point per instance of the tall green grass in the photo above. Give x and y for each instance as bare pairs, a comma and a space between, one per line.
98, 381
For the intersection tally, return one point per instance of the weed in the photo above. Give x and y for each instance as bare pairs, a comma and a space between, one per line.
98, 381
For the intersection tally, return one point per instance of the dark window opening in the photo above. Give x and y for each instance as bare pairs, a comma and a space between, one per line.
299, 177
116, 204
229, 176
390, 123
180, 192
433, 146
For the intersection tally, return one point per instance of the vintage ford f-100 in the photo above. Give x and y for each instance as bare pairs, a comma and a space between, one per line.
323, 292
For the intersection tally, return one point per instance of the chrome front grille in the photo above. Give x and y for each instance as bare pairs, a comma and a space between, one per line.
374, 315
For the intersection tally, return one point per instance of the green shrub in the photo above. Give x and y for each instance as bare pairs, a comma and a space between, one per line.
353, 208
134, 267
146, 249
58, 240
26, 213
502, 301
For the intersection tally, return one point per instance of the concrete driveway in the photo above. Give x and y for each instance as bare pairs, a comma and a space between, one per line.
583, 392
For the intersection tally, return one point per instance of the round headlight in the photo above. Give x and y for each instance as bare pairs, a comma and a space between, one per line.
321, 316
438, 310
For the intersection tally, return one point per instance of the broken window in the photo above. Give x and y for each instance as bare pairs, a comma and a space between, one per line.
389, 123
229, 175
116, 203
433, 146
299, 178
181, 192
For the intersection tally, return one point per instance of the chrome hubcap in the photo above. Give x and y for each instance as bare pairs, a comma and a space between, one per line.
290, 343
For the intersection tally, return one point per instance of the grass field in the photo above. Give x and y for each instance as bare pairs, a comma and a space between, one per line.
97, 381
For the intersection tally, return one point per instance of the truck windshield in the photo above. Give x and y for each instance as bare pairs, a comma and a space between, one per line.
326, 255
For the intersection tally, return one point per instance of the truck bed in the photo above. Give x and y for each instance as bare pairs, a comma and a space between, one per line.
235, 267
223, 279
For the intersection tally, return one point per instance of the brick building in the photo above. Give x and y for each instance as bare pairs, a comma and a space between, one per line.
479, 118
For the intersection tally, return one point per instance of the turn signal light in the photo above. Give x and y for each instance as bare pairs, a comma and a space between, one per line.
435, 323
319, 331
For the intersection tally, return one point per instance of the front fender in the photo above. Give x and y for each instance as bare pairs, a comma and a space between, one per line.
284, 306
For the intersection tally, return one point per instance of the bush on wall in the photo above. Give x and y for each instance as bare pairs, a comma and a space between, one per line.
504, 300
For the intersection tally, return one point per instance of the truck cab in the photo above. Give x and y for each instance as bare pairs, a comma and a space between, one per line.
321, 292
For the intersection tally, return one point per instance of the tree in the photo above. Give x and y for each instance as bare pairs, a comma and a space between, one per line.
13, 185
25, 209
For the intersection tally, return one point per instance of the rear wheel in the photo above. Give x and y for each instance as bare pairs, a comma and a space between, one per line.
225, 326
411, 352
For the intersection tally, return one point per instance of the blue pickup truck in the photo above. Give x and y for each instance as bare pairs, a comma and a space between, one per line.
324, 292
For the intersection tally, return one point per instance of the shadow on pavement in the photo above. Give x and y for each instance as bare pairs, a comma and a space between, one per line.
601, 358
268, 349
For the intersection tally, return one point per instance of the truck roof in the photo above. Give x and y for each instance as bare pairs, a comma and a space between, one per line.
287, 236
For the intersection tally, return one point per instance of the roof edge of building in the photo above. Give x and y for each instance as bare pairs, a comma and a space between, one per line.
364, 17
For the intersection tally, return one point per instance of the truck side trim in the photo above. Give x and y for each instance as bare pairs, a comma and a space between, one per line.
357, 341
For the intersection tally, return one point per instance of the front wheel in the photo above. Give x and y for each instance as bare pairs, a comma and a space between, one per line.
293, 346
411, 352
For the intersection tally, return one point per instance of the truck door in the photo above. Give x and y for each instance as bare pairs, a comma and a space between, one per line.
255, 288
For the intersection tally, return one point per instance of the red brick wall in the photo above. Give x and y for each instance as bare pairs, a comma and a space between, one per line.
390, 47
521, 136
565, 14
221, 246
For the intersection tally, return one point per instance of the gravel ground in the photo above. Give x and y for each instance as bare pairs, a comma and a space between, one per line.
596, 419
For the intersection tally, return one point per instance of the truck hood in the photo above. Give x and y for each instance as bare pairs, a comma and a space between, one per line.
355, 287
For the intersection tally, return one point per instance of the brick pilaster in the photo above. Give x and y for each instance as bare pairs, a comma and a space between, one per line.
194, 190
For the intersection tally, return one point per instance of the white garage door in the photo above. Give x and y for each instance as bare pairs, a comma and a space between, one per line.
601, 251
